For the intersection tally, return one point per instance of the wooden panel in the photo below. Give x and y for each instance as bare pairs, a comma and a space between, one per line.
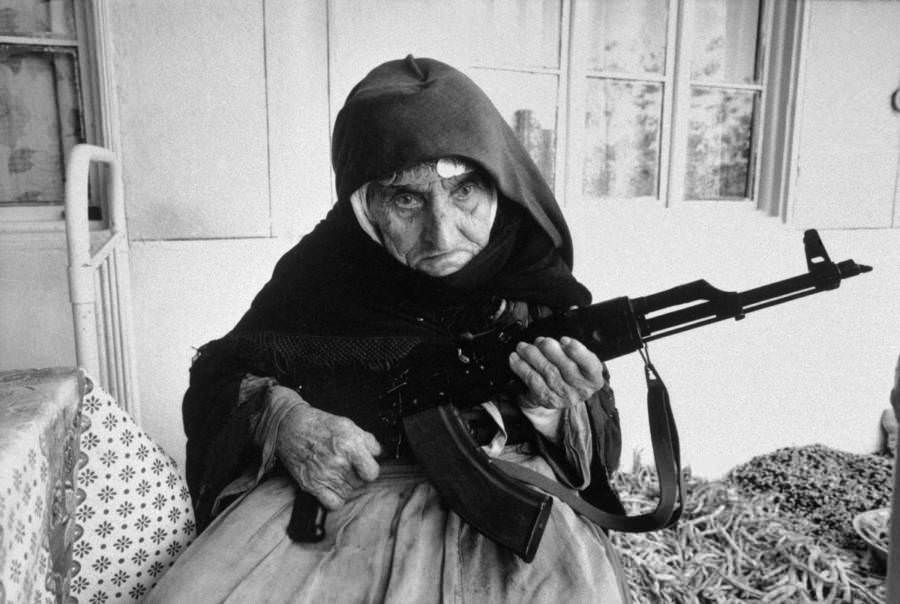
192, 95
849, 138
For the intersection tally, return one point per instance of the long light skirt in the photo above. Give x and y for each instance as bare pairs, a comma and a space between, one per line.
392, 542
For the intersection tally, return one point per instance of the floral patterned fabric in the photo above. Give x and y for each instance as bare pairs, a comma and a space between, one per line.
136, 515
40, 422
91, 509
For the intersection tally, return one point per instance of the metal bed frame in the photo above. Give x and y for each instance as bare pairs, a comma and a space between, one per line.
100, 280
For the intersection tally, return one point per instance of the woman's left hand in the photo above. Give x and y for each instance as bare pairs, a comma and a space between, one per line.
557, 373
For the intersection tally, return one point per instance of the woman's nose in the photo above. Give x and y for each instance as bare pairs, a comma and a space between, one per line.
440, 226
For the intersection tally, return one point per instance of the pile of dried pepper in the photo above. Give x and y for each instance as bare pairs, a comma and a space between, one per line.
734, 545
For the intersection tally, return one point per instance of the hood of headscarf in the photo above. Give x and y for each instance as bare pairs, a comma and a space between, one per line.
412, 110
337, 280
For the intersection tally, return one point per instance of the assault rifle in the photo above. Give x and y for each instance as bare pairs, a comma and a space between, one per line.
491, 494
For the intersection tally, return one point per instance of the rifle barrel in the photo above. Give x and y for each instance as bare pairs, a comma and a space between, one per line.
741, 303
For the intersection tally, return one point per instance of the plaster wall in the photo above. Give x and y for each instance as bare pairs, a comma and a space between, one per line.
192, 104
35, 316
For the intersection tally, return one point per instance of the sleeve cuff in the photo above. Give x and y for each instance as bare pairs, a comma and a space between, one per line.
570, 454
279, 402
546, 421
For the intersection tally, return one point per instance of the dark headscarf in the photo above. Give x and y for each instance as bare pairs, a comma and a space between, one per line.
413, 110
339, 304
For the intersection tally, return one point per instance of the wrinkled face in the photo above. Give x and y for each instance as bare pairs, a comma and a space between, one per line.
433, 224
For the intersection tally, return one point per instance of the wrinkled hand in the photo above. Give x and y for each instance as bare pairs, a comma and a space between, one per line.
557, 373
328, 455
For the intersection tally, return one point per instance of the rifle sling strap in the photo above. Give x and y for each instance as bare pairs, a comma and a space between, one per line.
667, 457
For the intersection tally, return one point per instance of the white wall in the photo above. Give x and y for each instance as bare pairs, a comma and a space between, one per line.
185, 294
35, 317
813, 370
224, 137
192, 104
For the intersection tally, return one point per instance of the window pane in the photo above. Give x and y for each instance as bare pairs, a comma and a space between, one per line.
628, 35
37, 17
514, 32
528, 103
719, 144
40, 121
622, 130
725, 40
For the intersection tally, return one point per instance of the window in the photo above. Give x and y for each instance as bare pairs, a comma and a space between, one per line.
622, 99
620, 79
47, 103
514, 49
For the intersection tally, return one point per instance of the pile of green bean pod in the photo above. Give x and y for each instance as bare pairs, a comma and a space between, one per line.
734, 546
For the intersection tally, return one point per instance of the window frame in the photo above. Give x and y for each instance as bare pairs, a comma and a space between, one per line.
562, 73
675, 112
684, 85
94, 66
771, 142
777, 160
577, 88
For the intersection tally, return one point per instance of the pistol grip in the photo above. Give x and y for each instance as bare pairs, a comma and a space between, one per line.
307, 524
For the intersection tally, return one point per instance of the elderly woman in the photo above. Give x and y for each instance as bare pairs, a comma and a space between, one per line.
443, 225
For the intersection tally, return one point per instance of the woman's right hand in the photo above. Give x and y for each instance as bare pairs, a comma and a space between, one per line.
328, 455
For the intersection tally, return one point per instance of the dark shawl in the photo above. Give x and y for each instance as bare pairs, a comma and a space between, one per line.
338, 310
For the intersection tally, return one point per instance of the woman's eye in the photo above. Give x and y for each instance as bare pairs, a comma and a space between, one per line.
464, 191
407, 202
